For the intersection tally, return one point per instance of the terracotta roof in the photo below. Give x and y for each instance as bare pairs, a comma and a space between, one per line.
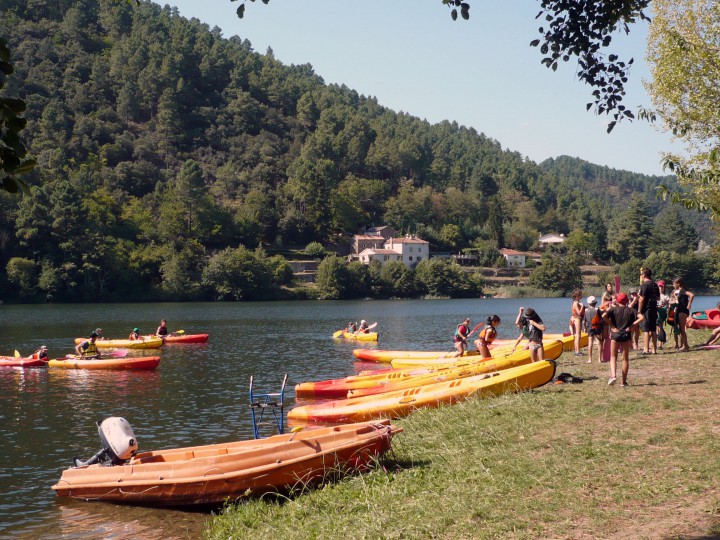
506, 251
404, 240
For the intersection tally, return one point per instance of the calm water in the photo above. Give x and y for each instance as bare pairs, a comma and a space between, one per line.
198, 395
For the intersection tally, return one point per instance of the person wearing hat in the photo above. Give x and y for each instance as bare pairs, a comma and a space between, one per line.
87, 348
649, 297
135, 334
41, 354
594, 327
621, 319
462, 332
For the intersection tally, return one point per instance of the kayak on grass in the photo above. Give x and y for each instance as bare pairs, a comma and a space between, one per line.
704, 319
403, 402
397, 379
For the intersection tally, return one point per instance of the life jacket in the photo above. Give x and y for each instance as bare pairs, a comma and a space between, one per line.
462, 335
89, 348
671, 315
597, 323
488, 334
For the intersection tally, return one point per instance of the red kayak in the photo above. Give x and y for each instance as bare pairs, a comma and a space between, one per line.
13, 361
704, 319
184, 338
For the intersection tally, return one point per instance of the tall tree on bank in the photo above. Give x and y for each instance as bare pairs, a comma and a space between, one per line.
684, 57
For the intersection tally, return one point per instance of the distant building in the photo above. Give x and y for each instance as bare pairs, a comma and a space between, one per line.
547, 239
519, 259
374, 246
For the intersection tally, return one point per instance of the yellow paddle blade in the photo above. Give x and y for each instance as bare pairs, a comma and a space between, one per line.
338, 333
296, 429
179, 332
17, 354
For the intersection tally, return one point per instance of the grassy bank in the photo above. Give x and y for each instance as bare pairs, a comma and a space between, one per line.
565, 461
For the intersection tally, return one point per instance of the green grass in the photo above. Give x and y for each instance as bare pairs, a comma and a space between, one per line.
563, 461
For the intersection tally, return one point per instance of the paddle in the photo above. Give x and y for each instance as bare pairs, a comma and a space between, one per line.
177, 333
116, 353
617, 284
338, 333
17, 354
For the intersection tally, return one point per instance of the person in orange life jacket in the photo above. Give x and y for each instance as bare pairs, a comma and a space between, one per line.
87, 348
363, 328
462, 332
594, 327
535, 328
487, 335
135, 334
41, 354
621, 319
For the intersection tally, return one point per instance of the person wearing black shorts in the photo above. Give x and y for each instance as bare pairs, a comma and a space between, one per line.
621, 319
648, 295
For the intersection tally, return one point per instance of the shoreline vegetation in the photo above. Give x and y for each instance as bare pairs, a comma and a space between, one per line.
563, 461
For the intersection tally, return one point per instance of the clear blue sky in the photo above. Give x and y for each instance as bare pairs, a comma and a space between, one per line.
482, 73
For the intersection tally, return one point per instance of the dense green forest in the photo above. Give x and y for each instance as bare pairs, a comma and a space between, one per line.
174, 162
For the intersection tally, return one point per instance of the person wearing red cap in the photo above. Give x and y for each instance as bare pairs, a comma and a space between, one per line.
621, 319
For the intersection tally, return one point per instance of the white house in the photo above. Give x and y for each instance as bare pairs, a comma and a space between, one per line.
409, 250
513, 257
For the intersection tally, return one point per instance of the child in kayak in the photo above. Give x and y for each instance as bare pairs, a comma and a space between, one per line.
135, 334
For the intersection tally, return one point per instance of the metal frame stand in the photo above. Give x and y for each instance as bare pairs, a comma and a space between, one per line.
259, 403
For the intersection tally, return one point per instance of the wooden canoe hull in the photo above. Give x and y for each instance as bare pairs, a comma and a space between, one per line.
142, 362
145, 343
210, 475
402, 403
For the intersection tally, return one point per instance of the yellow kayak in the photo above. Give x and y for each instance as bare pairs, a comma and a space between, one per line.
397, 379
366, 336
145, 343
409, 362
403, 402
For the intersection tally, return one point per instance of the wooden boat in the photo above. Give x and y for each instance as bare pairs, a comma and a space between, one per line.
21, 362
210, 475
144, 343
398, 379
704, 319
403, 402
140, 362
363, 336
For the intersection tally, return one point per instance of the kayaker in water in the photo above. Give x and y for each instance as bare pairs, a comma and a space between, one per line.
487, 335
462, 332
162, 330
535, 327
41, 354
135, 334
351, 327
87, 348
363, 328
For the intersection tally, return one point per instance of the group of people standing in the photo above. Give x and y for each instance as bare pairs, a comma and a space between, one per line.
621, 319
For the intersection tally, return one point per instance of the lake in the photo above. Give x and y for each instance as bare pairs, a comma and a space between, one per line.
198, 395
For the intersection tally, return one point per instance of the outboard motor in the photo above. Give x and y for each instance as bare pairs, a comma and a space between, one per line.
118, 440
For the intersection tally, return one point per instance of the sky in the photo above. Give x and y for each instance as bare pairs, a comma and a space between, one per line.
481, 73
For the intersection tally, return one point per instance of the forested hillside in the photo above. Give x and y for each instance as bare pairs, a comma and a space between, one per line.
160, 144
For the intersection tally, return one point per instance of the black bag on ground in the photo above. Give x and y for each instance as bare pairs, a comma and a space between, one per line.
661, 335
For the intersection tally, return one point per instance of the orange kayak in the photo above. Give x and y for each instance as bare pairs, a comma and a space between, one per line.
403, 402
210, 475
142, 362
12, 361
182, 338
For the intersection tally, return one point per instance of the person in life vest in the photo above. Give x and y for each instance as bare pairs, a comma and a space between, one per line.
487, 335
594, 326
88, 348
462, 332
41, 354
135, 334
351, 327
162, 330
363, 328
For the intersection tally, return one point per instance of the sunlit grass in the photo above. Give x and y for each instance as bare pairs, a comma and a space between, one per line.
564, 461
